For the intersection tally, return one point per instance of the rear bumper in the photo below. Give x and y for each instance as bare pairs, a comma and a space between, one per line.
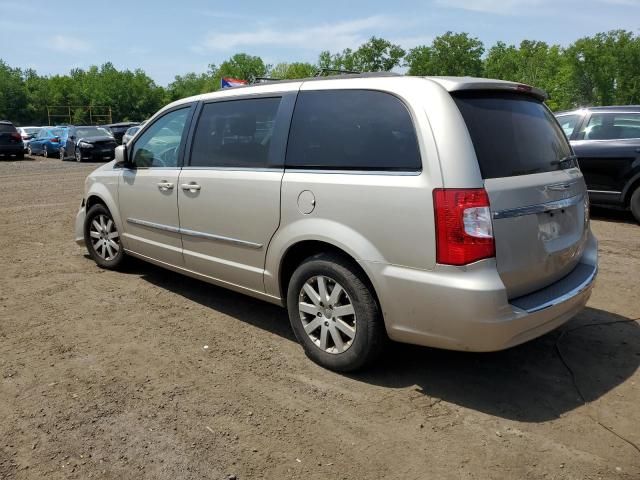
16, 149
468, 309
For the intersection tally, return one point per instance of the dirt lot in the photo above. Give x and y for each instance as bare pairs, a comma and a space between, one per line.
104, 375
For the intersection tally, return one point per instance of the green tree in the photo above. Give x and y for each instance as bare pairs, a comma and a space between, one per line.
13, 97
293, 70
375, 55
455, 54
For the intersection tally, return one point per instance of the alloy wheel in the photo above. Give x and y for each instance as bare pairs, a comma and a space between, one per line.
78, 155
104, 237
62, 154
45, 152
327, 314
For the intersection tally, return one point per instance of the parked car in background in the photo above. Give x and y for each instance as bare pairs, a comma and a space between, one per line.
48, 141
10, 140
118, 129
606, 141
131, 132
88, 143
27, 134
445, 212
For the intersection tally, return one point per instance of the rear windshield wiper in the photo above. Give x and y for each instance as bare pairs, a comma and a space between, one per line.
569, 161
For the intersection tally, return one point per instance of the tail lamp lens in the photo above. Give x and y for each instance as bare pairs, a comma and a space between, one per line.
464, 232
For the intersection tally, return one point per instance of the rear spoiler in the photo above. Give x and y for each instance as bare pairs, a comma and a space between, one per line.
457, 84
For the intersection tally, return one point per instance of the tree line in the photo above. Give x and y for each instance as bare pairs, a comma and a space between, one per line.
603, 69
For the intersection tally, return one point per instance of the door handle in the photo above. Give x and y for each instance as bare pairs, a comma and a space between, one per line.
192, 187
164, 186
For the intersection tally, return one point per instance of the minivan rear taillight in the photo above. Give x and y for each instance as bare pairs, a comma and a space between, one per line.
464, 233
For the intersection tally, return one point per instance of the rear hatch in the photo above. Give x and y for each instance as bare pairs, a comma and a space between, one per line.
536, 191
9, 135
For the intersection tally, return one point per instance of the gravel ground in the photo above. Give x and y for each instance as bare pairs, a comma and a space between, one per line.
105, 375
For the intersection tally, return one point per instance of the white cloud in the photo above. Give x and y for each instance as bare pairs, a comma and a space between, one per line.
493, 6
67, 44
334, 36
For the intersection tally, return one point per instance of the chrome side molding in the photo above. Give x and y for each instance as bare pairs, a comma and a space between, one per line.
195, 233
539, 208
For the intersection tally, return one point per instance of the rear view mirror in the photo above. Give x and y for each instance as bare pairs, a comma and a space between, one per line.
122, 157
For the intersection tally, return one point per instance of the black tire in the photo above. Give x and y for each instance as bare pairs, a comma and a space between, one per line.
634, 204
96, 213
20, 156
45, 152
78, 155
29, 150
62, 154
370, 335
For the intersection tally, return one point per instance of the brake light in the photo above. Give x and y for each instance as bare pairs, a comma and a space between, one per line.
16, 135
55, 140
464, 232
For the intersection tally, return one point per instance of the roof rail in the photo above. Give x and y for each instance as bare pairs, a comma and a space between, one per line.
322, 71
257, 80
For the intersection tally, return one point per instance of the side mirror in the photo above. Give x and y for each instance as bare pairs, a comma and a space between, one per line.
72, 137
122, 157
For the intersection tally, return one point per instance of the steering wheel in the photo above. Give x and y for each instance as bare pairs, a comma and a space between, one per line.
166, 158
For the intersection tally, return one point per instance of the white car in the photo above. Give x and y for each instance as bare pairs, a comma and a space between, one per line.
27, 134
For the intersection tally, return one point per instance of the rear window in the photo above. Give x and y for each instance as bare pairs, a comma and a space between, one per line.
6, 128
513, 134
352, 130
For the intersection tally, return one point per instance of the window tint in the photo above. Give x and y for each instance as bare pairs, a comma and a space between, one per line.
159, 145
568, 123
352, 129
6, 128
513, 134
235, 133
612, 126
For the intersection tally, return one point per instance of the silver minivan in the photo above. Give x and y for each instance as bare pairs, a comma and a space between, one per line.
447, 212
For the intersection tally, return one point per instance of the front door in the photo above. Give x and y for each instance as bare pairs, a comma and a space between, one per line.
147, 193
229, 193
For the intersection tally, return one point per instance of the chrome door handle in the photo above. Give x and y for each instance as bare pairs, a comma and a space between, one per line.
192, 187
164, 186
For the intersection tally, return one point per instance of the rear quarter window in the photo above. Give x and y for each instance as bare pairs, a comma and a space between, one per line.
513, 134
352, 130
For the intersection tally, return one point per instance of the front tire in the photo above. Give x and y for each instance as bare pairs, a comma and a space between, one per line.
102, 238
78, 155
45, 152
62, 154
634, 204
334, 313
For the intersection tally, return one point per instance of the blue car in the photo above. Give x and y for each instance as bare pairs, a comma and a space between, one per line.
48, 141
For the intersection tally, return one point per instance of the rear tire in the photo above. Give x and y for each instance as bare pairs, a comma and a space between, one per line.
45, 152
345, 341
78, 155
102, 238
20, 156
634, 204
29, 150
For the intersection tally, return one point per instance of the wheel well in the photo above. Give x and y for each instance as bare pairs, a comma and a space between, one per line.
632, 188
300, 251
94, 200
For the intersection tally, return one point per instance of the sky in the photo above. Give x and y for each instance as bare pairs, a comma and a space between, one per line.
166, 39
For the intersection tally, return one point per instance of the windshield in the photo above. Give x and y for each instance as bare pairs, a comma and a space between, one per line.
83, 132
31, 130
513, 134
58, 132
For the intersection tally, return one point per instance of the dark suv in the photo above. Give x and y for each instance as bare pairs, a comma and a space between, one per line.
607, 143
10, 140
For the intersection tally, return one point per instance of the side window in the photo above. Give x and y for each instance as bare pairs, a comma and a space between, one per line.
352, 130
568, 123
612, 126
160, 144
235, 133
